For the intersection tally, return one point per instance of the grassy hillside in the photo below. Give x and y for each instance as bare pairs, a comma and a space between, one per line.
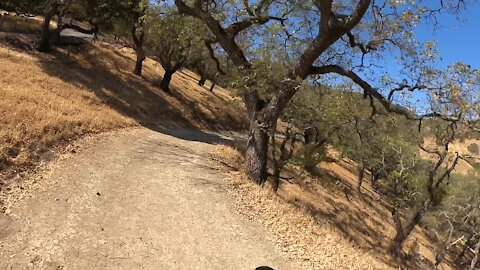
49, 100
329, 224
46, 100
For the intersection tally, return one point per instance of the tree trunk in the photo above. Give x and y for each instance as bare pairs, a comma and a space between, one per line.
1, 22
361, 173
203, 79
256, 155
396, 244
213, 86
45, 38
138, 36
476, 252
165, 83
263, 117
403, 233
139, 63
276, 179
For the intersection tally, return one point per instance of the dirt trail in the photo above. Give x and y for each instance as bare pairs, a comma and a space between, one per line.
139, 200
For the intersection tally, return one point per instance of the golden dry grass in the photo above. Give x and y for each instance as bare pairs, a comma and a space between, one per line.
39, 110
49, 99
315, 243
323, 222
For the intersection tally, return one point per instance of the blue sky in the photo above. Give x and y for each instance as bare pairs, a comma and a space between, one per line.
459, 38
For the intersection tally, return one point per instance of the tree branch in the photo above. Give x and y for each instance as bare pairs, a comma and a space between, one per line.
208, 44
369, 90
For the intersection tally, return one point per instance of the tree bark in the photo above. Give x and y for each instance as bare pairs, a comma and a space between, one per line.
257, 145
361, 174
213, 86
138, 42
276, 175
167, 78
139, 63
256, 155
203, 79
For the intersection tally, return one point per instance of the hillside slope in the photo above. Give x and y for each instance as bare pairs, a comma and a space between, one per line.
49, 100
46, 100
323, 222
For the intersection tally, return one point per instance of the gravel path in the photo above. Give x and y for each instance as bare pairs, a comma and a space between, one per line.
137, 200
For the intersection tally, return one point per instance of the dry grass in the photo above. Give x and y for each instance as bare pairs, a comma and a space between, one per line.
315, 243
49, 99
323, 222
461, 147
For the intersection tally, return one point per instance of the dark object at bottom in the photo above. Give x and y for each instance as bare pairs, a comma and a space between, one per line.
264, 268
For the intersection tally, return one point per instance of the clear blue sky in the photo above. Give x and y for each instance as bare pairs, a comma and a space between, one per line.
459, 38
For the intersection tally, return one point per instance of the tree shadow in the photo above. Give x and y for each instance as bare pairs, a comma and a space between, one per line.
354, 216
196, 136
108, 74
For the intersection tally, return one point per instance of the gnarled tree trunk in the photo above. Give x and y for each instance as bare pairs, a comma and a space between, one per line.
256, 155
257, 144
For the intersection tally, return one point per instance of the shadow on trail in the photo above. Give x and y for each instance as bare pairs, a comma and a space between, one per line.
196, 136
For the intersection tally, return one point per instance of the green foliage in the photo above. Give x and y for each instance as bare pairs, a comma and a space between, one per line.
171, 38
33, 7
474, 148
265, 76
440, 195
309, 156
476, 166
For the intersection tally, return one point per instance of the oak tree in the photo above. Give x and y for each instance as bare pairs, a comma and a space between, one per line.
319, 38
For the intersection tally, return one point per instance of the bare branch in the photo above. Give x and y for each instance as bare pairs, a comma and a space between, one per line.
369, 90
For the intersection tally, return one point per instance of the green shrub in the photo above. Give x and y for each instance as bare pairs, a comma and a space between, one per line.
473, 148
310, 156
